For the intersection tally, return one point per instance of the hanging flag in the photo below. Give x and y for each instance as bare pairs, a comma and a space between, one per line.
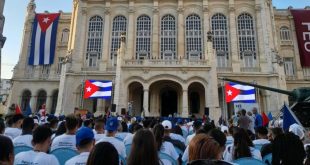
17, 110
289, 117
239, 93
270, 116
43, 39
97, 89
28, 110
265, 119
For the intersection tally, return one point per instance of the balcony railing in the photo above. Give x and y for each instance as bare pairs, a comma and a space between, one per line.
290, 77
250, 69
166, 62
224, 69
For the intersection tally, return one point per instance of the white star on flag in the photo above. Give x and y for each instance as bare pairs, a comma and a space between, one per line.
229, 93
45, 20
88, 89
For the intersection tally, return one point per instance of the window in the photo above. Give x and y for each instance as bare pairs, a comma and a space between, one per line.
247, 41
29, 73
119, 26
285, 34
306, 72
289, 67
26, 96
65, 36
41, 99
193, 37
143, 34
94, 43
59, 65
168, 37
92, 60
45, 71
220, 39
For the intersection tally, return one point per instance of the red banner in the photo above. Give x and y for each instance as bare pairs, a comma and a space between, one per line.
302, 27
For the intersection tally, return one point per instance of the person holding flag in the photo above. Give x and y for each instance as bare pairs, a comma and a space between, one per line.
258, 118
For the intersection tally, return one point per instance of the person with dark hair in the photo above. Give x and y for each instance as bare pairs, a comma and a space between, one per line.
242, 147
203, 146
288, 149
2, 127
111, 127
60, 130
196, 126
67, 140
88, 123
128, 139
218, 136
262, 136
103, 153
26, 137
99, 128
53, 123
85, 141
143, 150
164, 146
244, 121
41, 142
273, 133
6, 151
15, 129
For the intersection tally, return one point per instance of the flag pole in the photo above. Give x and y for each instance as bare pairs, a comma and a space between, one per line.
224, 102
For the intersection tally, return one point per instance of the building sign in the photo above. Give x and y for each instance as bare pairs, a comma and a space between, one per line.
246, 106
302, 27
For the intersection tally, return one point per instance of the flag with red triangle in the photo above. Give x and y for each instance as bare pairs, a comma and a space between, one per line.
17, 110
239, 93
97, 89
265, 119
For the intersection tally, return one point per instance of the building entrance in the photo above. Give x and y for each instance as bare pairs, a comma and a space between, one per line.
169, 103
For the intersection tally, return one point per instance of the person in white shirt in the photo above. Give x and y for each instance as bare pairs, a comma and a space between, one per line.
196, 126
85, 141
67, 140
41, 142
7, 150
128, 139
111, 127
163, 146
15, 129
252, 123
245, 147
26, 137
262, 134
99, 129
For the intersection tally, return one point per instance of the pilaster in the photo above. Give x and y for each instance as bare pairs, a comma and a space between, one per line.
146, 102
206, 26
181, 34
131, 32
106, 38
185, 103
233, 37
155, 33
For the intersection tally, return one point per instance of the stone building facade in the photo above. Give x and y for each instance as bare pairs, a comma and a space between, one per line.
165, 62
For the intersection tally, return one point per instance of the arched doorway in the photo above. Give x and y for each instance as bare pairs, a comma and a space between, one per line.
196, 93
165, 98
54, 101
169, 101
41, 99
26, 96
135, 99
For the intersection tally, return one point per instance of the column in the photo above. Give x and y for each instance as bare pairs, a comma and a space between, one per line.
185, 103
48, 104
100, 107
32, 103
181, 41
260, 56
131, 33
155, 34
206, 28
106, 40
234, 58
146, 102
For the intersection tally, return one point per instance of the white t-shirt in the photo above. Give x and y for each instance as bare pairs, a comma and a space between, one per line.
119, 145
121, 135
189, 138
168, 149
12, 132
128, 139
35, 158
251, 124
64, 141
177, 137
23, 140
184, 130
185, 155
228, 153
99, 136
261, 141
80, 159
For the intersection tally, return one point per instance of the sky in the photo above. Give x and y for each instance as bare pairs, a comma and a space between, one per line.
15, 12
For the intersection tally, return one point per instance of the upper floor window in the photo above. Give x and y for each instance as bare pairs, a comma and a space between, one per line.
143, 34
220, 39
94, 42
168, 37
289, 67
60, 65
119, 26
247, 39
65, 36
193, 37
285, 34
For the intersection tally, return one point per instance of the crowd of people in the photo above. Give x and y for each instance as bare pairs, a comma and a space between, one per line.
114, 140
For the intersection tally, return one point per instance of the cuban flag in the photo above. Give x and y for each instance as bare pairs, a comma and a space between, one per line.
43, 39
97, 89
239, 93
